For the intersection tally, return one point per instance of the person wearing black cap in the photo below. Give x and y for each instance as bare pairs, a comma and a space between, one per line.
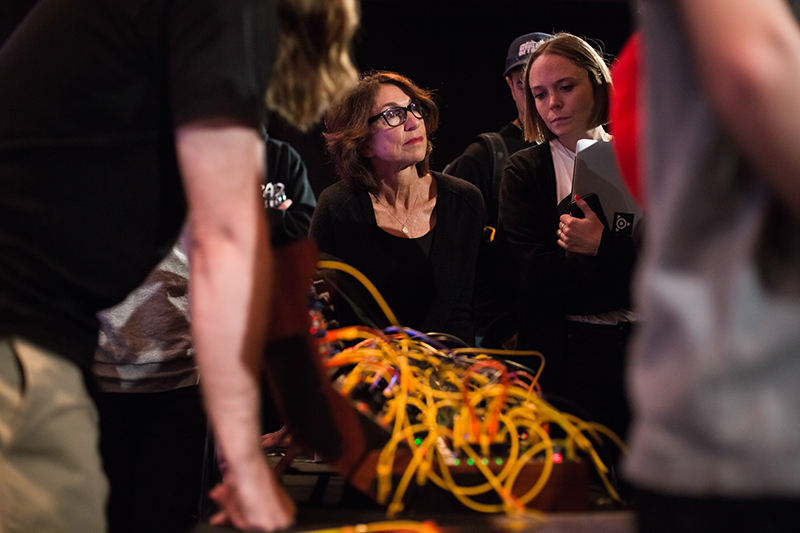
481, 164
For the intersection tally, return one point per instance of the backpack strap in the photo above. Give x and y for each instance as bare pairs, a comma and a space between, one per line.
499, 155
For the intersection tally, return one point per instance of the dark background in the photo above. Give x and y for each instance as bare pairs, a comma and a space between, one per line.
457, 48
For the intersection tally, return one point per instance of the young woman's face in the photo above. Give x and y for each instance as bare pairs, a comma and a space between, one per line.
563, 95
398, 146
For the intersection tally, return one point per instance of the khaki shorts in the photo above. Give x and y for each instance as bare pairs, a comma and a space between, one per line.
51, 478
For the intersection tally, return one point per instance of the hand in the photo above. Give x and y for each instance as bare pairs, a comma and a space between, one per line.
276, 439
252, 499
580, 235
285, 204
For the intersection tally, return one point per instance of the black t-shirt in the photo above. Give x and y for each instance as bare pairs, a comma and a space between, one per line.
90, 195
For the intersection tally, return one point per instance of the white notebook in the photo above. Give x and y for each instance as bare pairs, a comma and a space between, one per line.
597, 173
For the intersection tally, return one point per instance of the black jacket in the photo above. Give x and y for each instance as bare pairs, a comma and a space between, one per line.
553, 283
344, 226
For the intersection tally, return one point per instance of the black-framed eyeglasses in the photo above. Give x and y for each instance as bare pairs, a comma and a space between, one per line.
395, 116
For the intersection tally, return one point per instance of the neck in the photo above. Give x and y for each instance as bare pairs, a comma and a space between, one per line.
400, 187
571, 142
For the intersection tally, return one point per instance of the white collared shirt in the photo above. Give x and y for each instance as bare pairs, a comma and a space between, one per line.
564, 162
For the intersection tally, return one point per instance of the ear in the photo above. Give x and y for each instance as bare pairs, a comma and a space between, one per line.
510, 84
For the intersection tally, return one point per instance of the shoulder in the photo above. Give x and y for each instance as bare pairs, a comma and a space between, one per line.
510, 131
338, 205
338, 196
278, 148
532, 157
514, 138
477, 149
534, 153
281, 157
481, 147
460, 189
473, 161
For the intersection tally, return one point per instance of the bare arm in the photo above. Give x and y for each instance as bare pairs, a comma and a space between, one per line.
230, 277
748, 57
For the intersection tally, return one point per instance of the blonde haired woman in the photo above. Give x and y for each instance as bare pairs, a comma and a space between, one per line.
573, 273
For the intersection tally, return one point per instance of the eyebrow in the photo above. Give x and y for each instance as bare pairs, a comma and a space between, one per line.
565, 78
389, 105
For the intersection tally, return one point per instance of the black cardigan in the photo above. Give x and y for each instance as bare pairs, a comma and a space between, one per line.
344, 226
554, 283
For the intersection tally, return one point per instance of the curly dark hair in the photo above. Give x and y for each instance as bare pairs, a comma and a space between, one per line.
348, 132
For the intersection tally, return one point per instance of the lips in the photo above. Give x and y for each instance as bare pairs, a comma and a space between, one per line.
415, 140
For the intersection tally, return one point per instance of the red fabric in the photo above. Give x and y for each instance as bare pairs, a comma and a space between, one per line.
625, 116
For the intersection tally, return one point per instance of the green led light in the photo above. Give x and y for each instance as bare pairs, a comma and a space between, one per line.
498, 461
418, 441
485, 461
456, 462
470, 462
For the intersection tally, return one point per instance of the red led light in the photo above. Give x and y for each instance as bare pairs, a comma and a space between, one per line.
557, 458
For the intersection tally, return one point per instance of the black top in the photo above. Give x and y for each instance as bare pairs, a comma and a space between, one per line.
90, 195
411, 268
285, 166
551, 282
429, 294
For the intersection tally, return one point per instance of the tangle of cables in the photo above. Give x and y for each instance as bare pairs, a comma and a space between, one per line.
400, 526
453, 409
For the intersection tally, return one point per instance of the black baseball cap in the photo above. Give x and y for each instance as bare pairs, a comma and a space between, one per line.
521, 48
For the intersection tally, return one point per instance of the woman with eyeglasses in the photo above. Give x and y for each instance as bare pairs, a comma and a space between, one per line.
413, 232
573, 272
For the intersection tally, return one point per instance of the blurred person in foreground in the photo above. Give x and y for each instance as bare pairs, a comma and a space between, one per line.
120, 120
715, 444
153, 429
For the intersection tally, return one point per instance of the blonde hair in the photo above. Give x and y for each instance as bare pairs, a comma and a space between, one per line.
582, 54
313, 63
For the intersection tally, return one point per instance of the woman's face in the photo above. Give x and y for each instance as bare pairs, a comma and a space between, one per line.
400, 146
563, 95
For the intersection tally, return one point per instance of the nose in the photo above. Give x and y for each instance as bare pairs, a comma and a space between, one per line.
555, 100
412, 122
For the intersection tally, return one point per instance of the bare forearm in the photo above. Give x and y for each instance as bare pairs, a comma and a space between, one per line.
230, 280
230, 285
229, 272
748, 59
